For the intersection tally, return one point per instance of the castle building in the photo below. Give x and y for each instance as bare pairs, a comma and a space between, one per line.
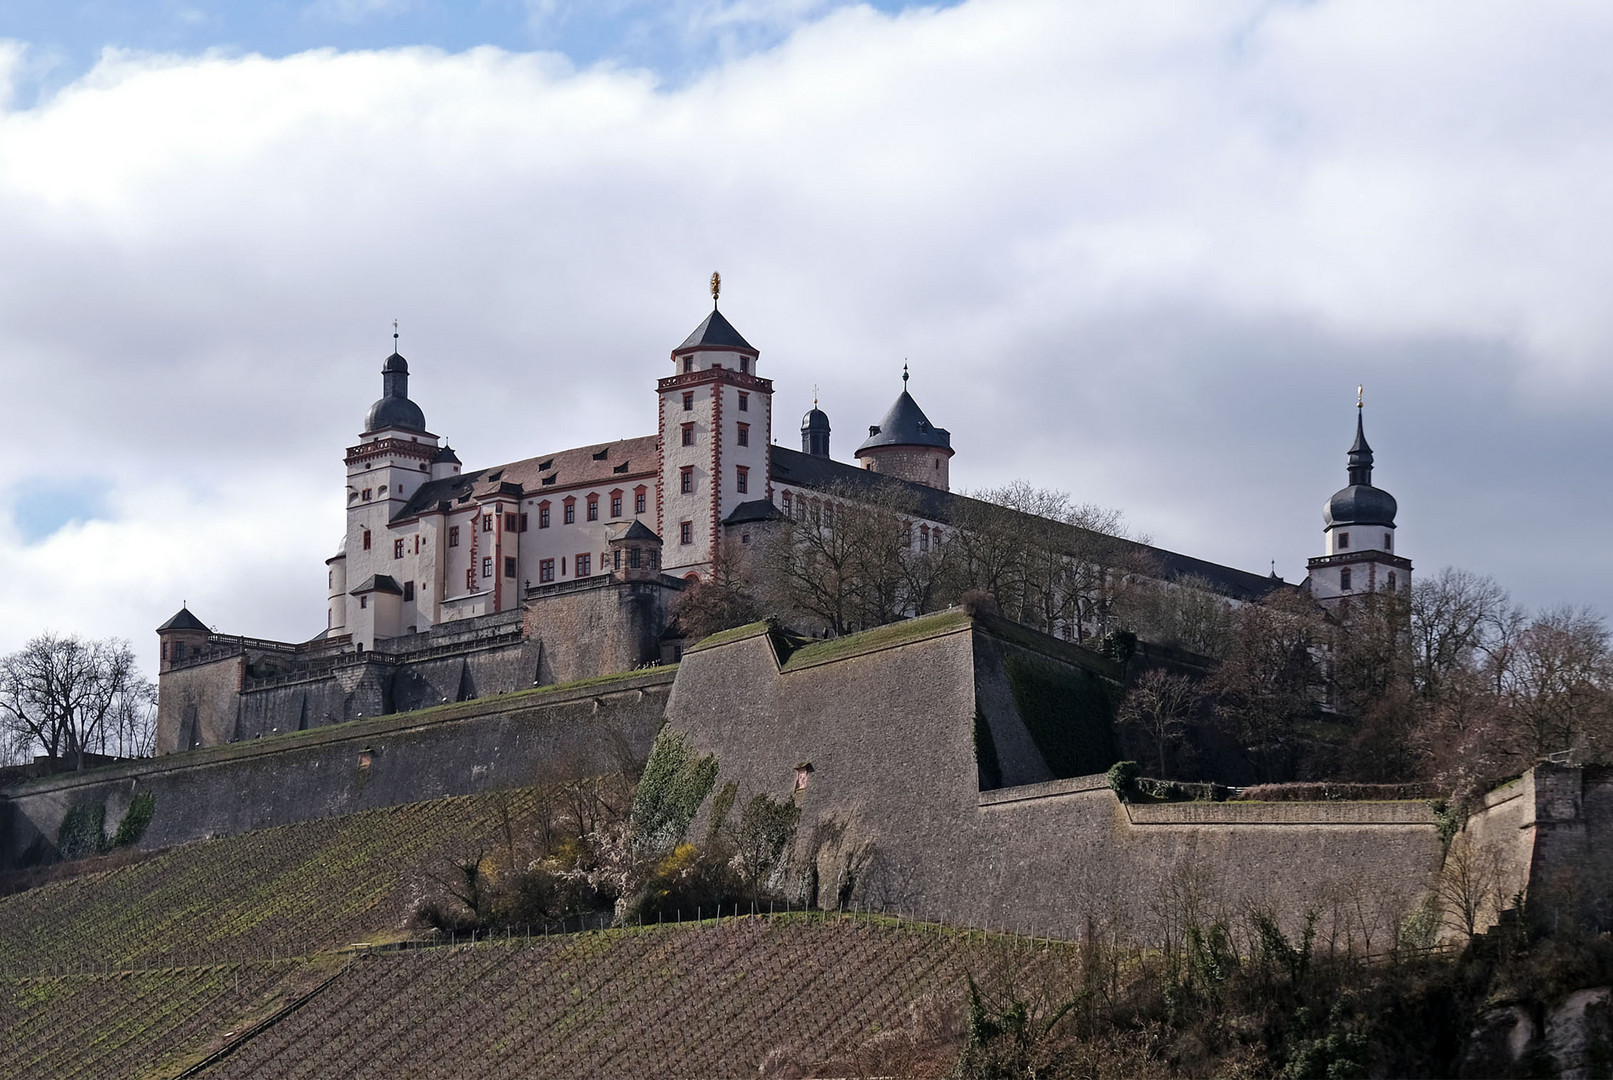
452, 583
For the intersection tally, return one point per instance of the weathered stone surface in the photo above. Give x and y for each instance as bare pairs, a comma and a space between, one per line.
1579, 1034
1499, 1044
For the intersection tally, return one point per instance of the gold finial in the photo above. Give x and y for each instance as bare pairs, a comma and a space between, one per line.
1358, 396
904, 374
394, 336
814, 395
716, 287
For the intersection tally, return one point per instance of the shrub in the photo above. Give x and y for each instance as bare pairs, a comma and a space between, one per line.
1123, 779
135, 819
83, 832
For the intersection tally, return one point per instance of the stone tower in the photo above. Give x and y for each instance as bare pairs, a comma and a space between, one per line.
716, 424
906, 445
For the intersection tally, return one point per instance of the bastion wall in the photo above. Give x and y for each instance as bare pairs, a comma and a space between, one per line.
537, 736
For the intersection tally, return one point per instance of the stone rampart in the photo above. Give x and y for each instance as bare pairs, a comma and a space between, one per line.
537, 736
893, 812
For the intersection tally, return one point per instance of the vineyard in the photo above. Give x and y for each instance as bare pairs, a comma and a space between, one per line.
284, 952
289, 891
743, 997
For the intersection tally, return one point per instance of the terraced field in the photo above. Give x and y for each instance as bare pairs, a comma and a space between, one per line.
289, 891
232, 958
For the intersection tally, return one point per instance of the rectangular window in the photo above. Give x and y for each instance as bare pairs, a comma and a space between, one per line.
543, 515
616, 558
571, 513
1344, 579
585, 564
686, 480
924, 538
487, 566
744, 364
509, 566
593, 508
511, 523
787, 507
366, 539
408, 591
688, 434
1344, 540
688, 401
562, 566
397, 548
453, 536
633, 558
744, 402
367, 494
744, 435
470, 579
1388, 541
364, 601
638, 502
487, 522
741, 479
1391, 581
688, 364
686, 533
615, 506
546, 570
523, 523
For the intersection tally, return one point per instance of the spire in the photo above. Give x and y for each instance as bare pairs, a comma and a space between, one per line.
1360, 460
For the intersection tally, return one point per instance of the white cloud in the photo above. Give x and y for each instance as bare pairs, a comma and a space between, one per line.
1142, 252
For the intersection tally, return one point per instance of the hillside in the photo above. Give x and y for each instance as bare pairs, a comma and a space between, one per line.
146, 969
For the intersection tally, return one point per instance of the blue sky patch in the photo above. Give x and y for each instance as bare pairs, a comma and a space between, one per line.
41, 508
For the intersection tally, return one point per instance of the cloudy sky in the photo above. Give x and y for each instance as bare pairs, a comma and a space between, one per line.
1143, 252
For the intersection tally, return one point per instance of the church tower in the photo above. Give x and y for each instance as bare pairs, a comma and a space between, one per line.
907, 446
716, 424
393, 458
1359, 525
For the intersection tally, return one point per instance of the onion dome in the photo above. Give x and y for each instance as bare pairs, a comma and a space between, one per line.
395, 410
1360, 503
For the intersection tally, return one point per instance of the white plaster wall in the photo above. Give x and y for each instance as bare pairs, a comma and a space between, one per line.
1362, 538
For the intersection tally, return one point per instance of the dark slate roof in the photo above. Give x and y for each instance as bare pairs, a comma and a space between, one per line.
906, 425
816, 420
446, 454
395, 362
379, 583
1360, 504
184, 620
588, 466
754, 510
802, 470
395, 412
718, 332
636, 530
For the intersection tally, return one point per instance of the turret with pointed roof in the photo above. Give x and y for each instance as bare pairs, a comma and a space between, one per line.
906, 445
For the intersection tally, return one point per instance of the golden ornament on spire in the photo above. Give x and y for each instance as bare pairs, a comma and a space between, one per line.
716, 287
1358, 395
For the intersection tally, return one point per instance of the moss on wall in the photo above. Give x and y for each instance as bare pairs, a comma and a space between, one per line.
1069, 712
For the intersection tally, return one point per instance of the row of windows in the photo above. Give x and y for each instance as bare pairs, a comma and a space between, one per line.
1345, 579
688, 400
744, 365
1388, 541
742, 437
741, 479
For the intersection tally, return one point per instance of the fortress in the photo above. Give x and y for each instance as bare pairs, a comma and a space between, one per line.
451, 584
513, 625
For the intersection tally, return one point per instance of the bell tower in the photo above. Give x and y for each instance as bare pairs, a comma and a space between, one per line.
1358, 524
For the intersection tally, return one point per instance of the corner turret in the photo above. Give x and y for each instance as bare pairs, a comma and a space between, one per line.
907, 446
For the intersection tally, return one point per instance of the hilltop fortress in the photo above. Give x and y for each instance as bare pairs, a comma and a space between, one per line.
452, 584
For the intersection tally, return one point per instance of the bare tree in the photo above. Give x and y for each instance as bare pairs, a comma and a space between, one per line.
1160, 704
69, 697
1272, 677
1469, 885
1457, 619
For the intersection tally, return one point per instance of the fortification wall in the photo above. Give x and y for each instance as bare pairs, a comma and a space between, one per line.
534, 737
893, 813
199, 705
599, 625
